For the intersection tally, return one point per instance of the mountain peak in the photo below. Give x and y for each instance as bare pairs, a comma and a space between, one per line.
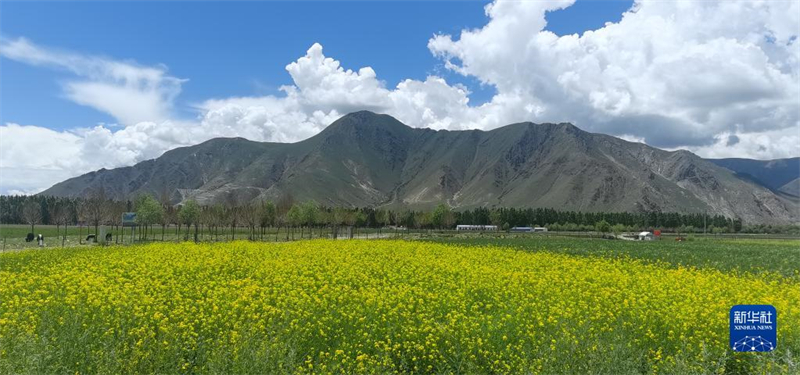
362, 114
364, 118
364, 121
369, 159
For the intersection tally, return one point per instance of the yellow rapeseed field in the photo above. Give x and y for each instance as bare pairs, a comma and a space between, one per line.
375, 306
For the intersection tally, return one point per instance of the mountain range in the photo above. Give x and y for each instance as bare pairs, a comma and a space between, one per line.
780, 175
367, 159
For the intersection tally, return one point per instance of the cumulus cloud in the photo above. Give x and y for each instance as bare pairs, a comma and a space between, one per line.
677, 74
717, 78
770, 144
33, 158
323, 91
125, 90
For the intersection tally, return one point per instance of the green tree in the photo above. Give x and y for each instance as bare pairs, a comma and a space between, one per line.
449, 220
361, 219
718, 230
269, 215
422, 220
408, 219
602, 226
439, 215
496, 217
309, 212
337, 218
188, 215
294, 217
737, 225
148, 212
167, 211
381, 219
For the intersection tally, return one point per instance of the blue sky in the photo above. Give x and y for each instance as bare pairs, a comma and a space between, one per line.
237, 49
89, 85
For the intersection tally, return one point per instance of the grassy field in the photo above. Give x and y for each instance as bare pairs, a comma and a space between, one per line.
13, 235
737, 255
386, 306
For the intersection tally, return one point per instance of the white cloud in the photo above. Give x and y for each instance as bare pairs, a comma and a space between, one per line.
32, 158
320, 82
771, 144
677, 74
323, 91
718, 78
125, 90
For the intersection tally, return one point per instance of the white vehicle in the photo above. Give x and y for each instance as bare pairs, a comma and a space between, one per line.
646, 236
479, 228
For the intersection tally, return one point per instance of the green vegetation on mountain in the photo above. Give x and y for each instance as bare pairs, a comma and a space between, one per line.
365, 159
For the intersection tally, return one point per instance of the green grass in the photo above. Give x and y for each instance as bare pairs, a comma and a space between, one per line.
739, 255
12, 236
377, 307
753, 253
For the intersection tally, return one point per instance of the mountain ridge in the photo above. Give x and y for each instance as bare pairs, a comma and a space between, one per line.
779, 175
367, 159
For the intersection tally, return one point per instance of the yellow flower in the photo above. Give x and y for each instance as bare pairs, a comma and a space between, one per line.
377, 306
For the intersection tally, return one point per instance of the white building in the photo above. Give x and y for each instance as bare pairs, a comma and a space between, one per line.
646, 236
480, 228
522, 229
529, 229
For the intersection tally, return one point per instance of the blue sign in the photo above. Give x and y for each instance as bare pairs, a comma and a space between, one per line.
754, 328
129, 219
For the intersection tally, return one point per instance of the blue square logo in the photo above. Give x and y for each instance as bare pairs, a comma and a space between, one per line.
754, 328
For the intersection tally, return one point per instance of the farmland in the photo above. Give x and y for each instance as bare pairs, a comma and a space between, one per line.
13, 235
469, 305
743, 254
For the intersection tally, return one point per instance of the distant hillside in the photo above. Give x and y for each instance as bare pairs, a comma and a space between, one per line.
781, 175
365, 159
791, 188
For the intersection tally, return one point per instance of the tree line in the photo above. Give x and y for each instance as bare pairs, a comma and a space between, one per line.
224, 218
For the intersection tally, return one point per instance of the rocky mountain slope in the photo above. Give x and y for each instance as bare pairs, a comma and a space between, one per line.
365, 159
780, 175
